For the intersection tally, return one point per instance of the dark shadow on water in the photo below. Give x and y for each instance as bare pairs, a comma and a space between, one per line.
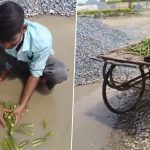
100, 113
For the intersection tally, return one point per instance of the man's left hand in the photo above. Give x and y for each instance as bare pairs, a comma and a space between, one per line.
18, 112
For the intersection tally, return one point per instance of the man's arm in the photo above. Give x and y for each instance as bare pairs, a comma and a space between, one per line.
29, 88
36, 66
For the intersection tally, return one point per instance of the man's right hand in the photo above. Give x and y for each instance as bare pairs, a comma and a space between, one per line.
3, 75
2, 121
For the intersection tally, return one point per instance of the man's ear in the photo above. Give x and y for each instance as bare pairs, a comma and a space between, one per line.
25, 27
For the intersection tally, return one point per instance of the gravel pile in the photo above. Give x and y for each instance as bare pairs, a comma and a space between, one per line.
39, 7
94, 37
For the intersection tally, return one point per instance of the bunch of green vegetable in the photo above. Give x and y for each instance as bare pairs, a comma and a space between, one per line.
9, 142
140, 49
9, 119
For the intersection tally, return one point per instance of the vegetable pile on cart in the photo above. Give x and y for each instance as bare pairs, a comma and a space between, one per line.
141, 49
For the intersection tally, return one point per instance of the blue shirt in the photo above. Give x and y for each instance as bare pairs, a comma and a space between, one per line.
37, 44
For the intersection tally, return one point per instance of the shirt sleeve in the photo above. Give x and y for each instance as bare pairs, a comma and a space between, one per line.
37, 65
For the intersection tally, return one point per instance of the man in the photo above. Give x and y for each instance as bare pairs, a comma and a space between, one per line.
27, 46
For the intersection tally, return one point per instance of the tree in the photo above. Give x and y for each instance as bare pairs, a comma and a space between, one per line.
130, 4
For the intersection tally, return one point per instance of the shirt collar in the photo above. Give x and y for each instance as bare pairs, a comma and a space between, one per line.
27, 41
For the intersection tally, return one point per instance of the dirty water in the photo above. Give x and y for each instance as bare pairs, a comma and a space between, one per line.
57, 106
93, 122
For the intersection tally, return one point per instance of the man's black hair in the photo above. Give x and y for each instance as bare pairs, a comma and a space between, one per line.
11, 20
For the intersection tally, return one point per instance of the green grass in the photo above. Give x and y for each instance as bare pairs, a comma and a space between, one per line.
121, 1
107, 13
80, 4
113, 1
132, 0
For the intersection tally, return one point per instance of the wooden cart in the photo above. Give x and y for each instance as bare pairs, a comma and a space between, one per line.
125, 78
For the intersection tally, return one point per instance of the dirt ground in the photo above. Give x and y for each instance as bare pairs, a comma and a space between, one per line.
136, 26
57, 106
93, 122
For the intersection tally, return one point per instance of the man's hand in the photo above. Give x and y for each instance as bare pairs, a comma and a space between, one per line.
2, 121
18, 113
29, 88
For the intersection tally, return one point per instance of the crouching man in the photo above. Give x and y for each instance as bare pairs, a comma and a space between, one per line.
27, 46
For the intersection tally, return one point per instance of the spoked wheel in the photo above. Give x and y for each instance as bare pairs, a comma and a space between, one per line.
123, 87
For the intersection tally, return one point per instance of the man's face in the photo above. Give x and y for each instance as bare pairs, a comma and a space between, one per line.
16, 39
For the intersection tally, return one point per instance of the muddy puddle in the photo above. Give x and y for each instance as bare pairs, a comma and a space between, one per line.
57, 106
93, 122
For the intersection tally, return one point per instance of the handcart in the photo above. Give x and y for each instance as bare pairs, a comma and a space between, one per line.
126, 76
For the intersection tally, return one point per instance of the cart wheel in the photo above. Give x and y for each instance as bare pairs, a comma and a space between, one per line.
123, 87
